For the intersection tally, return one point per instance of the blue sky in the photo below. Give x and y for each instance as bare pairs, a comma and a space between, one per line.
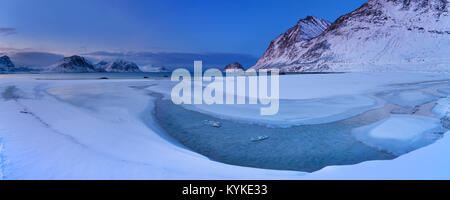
192, 26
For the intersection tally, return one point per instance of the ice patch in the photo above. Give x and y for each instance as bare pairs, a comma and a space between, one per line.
400, 134
410, 98
212, 123
442, 107
442, 110
444, 91
293, 112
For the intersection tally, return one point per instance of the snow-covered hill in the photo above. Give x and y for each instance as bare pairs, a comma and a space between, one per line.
117, 66
381, 35
73, 64
286, 46
233, 67
5, 64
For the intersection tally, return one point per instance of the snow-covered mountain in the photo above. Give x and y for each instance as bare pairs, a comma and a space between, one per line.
234, 67
117, 66
381, 35
72, 64
287, 45
6, 65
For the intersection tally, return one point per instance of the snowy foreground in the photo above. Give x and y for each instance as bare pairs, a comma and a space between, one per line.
104, 129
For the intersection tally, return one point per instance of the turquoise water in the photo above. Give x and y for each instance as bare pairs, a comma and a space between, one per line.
303, 148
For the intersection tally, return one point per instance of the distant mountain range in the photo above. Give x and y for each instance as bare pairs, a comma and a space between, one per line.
78, 64
381, 35
75, 64
147, 62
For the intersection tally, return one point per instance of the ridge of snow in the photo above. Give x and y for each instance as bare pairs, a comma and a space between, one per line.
381, 35
284, 46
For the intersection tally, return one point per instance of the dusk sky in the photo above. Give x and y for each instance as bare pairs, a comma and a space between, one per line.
194, 26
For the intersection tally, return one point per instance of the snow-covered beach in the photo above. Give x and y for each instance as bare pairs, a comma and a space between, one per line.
107, 129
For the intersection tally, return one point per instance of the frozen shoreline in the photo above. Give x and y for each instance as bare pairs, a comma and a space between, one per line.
121, 146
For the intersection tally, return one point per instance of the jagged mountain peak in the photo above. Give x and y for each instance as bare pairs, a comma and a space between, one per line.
73, 63
74, 58
117, 65
381, 35
283, 47
6, 60
233, 67
305, 29
311, 27
416, 5
6, 64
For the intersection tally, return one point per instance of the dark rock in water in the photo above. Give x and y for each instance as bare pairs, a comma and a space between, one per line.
212, 123
405, 111
103, 78
145, 76
259, 138
24, 112
234, 67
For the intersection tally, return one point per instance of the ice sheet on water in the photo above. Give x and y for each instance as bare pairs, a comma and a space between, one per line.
293, 112
444, 90
409, 98
442, 107
400, 134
